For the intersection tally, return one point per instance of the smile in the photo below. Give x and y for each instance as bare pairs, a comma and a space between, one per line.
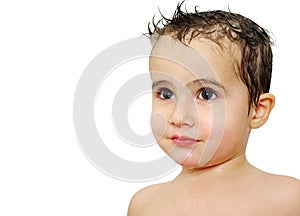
184, 141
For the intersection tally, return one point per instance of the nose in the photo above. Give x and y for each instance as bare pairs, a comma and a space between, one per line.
183, 114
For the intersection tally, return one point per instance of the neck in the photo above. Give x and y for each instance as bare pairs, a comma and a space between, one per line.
231, 166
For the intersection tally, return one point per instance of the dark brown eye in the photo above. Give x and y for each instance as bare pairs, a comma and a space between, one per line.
165, 93
207, 94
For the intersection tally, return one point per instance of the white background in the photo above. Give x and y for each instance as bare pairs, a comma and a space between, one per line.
44, 48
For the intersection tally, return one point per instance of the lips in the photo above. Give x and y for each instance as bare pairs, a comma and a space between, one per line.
184, 141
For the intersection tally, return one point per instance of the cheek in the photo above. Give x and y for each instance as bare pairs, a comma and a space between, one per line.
158, 124
234, 137
212, 129
237, 123
211, 120
225, 129
159, 119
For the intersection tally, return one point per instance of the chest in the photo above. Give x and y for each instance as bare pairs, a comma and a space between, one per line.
208, 203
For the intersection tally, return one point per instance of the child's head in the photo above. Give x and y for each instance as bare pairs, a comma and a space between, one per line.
211, 72
254, 57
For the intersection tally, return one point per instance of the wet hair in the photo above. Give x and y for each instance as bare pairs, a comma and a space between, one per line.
254, 42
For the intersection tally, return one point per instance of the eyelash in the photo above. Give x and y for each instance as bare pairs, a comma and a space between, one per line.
207, 90
161, 91
199, 94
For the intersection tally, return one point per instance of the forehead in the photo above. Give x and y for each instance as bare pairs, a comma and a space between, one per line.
200, 59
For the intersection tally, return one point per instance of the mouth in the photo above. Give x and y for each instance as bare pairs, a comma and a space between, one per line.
184, 141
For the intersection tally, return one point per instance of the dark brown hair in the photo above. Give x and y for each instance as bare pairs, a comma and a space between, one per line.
255, 65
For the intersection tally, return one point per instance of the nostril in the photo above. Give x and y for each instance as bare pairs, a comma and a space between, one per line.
183, 114
175, 118
178, 121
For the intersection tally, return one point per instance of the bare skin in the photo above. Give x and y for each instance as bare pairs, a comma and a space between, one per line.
227, 184
234, 188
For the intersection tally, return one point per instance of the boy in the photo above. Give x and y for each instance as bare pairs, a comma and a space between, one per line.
211, 74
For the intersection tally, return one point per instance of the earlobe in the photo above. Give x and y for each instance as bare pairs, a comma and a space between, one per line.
261, 112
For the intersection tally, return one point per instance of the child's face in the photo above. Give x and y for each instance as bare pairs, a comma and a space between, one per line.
200, 106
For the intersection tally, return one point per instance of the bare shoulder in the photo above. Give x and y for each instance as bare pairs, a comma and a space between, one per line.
141, 198
286, 192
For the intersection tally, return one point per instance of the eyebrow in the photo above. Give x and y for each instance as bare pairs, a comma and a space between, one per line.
160, 82
207, 81
197, 81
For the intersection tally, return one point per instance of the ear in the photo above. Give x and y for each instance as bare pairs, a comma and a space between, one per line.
261, 112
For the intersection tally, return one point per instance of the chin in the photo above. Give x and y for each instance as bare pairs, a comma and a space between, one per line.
194, 162
190, 161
